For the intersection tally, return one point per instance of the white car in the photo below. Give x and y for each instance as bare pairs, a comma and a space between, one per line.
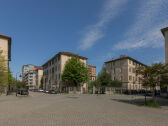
40, 90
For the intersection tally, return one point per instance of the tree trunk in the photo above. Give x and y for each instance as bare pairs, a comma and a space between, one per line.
153, 95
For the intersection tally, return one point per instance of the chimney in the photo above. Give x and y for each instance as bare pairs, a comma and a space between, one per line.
121, 56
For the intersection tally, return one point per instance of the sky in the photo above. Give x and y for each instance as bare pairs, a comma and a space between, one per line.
97, 29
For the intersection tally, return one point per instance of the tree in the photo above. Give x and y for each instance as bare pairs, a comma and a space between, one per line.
41, 83
152, 76
103, 78
75, 72
116, 83
20, 84
3, 72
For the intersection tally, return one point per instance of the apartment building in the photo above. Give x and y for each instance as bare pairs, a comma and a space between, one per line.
165, 34
39, 75
30, 79
92, 72
164, 91
32, 75
53, 69
124, 70
5, 47
26, 69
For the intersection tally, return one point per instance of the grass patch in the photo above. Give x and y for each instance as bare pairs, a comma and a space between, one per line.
152, 104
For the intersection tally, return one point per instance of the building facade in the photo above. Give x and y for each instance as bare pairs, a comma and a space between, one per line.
39, 76
32, 75
165, 34
5, 47
92, 72
124, 69
25, 70
164, 91
53, 69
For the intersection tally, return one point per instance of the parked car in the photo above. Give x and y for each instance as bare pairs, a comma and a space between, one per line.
52, 92
46, 91
22, 91
40, 90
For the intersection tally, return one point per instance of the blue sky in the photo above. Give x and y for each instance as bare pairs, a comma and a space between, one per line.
97, 29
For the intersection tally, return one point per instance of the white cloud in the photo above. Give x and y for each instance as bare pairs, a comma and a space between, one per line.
145, 32
110, 10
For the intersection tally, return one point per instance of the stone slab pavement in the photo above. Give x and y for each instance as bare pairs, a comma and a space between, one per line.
41, 109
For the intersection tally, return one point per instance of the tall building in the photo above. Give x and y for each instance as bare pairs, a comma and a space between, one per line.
5, 47
164, 91
92, 72
53, 69
32, 75
26, 69
124, 70
165, 34
39, 75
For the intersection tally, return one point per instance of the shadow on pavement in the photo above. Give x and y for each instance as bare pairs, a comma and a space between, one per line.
141, 101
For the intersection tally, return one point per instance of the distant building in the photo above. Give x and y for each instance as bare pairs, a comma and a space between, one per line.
26, 69
92, 72
39, 75
53, 69
124, 70
32, 75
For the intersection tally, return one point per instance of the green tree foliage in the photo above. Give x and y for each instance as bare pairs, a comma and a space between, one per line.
95, 83
152, 76
75, 72
20, 84
3, 71
10, 77
116, 83
41, 83
103, 78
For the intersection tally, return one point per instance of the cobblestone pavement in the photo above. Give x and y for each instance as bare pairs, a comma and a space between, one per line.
40, 109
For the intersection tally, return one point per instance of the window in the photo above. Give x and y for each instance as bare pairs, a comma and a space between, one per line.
130, 77
133, 69
120, 78
53, 70
130, 61
120, 70
134, 63
133, 78
129, 69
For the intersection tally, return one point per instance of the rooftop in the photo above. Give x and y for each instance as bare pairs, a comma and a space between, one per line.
124, 57
67, 54
163, 30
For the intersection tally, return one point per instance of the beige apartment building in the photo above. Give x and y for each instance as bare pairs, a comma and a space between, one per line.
124, 70
53, 69
164, 91
5, 46
92, 72
165, 34
39, 75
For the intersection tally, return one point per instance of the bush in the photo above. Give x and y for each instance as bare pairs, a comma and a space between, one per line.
116, 83
152, 104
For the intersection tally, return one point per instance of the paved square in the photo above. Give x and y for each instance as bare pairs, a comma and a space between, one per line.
76, 110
